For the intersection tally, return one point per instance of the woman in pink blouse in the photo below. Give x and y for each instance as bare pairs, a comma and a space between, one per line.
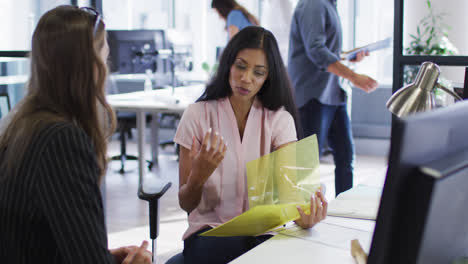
246, 111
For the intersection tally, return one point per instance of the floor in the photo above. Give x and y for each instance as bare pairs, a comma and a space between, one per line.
127, 216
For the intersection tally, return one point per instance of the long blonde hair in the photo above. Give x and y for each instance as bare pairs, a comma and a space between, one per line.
67, 84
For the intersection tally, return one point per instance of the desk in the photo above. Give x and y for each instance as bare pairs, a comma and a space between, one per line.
15, 79
327, 242
155, 101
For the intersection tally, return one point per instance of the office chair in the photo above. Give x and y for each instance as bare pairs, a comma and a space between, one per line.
169, 121
151, 194
126, 121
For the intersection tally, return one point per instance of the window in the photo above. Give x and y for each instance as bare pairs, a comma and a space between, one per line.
374, 22
19, 18
142, 14
450, 17
205, 27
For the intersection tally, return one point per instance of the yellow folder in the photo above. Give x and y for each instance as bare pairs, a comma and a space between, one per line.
276, 184
258, 220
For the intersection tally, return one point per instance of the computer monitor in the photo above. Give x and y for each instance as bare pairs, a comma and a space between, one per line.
134, 51
423, 214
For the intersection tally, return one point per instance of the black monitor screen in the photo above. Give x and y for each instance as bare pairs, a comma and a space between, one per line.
133, 51
422, 214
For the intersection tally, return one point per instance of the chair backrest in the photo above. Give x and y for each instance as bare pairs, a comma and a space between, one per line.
4, 104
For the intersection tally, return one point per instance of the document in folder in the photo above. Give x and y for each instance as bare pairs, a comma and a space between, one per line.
382, 44
276, 184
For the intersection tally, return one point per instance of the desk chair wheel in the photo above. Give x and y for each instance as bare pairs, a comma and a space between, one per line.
151, 194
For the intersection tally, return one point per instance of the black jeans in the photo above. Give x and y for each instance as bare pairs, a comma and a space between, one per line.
331, 122
203, 249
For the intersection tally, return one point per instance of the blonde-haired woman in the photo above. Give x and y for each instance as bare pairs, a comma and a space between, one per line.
53, 150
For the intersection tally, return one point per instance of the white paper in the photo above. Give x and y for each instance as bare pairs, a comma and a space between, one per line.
359, 202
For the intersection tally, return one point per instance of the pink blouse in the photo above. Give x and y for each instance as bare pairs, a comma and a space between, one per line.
225, 192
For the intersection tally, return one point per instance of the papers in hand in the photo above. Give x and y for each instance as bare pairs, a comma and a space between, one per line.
382, 44
359, 202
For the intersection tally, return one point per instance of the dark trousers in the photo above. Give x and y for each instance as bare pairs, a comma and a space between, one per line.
201, 249
331, 123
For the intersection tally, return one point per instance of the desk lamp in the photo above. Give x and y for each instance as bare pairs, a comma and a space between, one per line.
418, 96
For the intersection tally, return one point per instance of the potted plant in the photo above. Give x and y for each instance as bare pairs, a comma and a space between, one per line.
431, 38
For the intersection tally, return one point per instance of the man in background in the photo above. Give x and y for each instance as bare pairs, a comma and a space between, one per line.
315, 69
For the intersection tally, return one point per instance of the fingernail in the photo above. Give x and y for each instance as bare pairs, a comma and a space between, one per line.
216, 133
209, 130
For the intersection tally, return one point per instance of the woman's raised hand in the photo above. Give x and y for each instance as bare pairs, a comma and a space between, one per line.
208, 156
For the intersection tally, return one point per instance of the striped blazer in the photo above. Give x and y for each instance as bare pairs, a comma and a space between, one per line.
51, 210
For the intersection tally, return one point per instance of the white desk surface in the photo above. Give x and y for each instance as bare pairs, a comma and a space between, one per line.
161, 100
164, 100
15, 79
327, 242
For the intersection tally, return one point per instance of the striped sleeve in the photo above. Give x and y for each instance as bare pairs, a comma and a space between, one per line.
69, 197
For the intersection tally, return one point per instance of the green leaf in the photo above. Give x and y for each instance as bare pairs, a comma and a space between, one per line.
413, 36
425, 31
428, 41
205, 66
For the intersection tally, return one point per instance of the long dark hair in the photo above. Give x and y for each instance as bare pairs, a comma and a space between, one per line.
276, 90
224, 7
66, 84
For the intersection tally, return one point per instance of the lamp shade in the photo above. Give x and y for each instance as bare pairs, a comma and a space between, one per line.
417, 96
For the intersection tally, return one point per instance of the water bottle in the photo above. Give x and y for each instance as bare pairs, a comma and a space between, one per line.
148, 86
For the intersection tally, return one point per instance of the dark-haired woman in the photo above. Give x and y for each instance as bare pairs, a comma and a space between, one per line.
235, 15
247, 111
53, 149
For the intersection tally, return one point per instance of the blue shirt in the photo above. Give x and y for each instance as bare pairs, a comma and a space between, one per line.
315, 43
237, 18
